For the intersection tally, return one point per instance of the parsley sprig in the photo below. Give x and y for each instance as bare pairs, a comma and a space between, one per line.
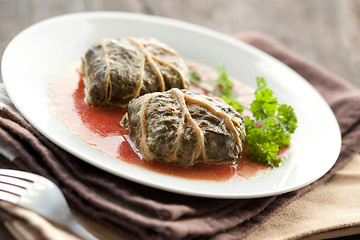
272, 127
225, 86
194, 77
269, 129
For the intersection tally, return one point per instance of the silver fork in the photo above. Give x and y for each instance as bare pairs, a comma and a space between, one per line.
40, 195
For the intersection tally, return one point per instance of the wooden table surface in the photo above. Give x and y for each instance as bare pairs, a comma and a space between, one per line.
326, 31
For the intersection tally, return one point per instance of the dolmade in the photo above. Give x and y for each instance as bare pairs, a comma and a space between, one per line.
185, 128
117, 70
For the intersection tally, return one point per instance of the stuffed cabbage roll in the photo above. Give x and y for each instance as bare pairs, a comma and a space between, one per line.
183, 127
118, 70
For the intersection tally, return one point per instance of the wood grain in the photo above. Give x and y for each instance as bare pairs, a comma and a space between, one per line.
326, 31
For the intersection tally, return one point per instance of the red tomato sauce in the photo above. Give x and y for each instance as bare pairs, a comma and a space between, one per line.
101, 128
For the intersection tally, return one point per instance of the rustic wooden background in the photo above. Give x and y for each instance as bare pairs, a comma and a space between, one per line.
325, 31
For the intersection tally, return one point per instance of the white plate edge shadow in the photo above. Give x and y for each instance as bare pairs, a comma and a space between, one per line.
197, 188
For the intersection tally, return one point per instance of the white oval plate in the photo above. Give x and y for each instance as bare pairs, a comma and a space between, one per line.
42, 52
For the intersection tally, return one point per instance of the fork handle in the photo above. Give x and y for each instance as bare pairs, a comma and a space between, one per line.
79, 230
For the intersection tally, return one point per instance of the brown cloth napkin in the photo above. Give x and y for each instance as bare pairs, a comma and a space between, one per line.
134, 211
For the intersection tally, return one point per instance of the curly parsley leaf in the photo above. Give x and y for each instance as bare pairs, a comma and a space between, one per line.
233, 102
272, 128
265, 104
287, 117
225, 86
272, 124
194, 77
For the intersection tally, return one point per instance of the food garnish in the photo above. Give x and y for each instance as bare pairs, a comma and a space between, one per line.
269, 129
119, 71
225, 90
194, 77
272, 127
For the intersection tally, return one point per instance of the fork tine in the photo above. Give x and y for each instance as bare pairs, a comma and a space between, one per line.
19, 174
11, 188
40, 195
14, 181
16, 190
9, 197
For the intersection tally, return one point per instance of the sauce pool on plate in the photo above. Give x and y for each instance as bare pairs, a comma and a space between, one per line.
100, 127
